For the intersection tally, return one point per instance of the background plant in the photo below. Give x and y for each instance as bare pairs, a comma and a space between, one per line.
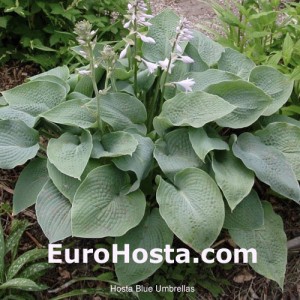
41, 31
172, 147
268, 33
20, 275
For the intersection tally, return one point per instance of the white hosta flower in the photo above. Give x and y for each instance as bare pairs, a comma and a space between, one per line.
186, 59
150, 66
186, 84
165, 63
84, 72
124, 51
146, 39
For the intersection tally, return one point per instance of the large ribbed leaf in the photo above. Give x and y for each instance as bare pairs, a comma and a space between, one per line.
286, 138
53, 213
9, 113
60, 72
175, 153
65, 184
209, 77
139, 162
273, 83
163, 32
193, 207
195, 109
269, 165
249, 101
70, 153
247, 215
234, 62
120, 110
203, 144
18, 143
210, 52
198, 65
270, 244
32, 179
151, 233
114, 144
35, 97
55, 79
101, 208
231, 175
73, 112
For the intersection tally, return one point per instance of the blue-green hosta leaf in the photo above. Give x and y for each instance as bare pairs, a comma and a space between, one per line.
121, 110
139, 162
264, 121
18, 143
198, 65
248, 100
195, 109
210, 52
32, 179
70, 153
68, 185
163, 32
35, 97
25, 258
273, 83
73, 112
60, 72
9, 113
151, 233
270, 244
101, 198
269, 165
234, 62
233, 178
193, 207
53, 78
247, 215
175, 153
114, 144
209, 77
23, 284
286, 138
2, 101
53, 213
203, 144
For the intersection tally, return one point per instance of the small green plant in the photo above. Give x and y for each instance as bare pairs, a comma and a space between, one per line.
167, 137
268, 33
19, 274
41, 31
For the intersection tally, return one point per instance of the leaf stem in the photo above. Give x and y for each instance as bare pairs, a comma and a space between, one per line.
95, 87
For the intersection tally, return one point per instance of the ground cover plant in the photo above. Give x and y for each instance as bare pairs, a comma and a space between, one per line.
42, 31
165, 133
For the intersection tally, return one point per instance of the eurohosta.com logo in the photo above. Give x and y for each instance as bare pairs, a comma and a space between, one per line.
154, 256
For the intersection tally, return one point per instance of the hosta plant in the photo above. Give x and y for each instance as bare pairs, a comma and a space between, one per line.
163, 134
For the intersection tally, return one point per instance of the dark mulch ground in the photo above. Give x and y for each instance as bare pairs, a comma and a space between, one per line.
244, 282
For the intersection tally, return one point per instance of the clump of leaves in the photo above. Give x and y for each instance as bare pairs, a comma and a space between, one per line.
167, 138
19, 275
41, 31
